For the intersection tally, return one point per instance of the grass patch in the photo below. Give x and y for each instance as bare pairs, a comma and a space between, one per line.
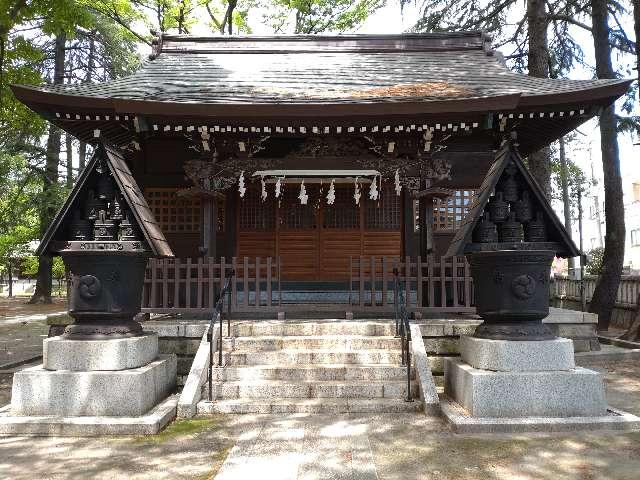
218, 459
179, 428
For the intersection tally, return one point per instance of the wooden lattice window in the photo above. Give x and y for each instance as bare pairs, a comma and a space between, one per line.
383, 214
175, 214
449, 212
293, 214
344, 213
256, 214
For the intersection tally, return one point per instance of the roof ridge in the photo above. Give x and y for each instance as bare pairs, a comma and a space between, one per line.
431, 41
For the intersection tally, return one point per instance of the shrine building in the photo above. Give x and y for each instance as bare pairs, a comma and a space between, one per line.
316, 160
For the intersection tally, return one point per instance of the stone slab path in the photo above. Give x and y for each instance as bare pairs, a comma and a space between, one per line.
21, 342
302, 447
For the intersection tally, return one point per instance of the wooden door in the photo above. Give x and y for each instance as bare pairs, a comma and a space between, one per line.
340, 235
256, 226
315, 242
298, 235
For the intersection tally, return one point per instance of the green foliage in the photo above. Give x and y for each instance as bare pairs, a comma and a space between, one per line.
576, 179
595, 259
29, 267
18, 206
319, 16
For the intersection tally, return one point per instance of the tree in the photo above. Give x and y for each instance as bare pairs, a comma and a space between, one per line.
318, 16
595, 259
42, 292
541, 43
606, 289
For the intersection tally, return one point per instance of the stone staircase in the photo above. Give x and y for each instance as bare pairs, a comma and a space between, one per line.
310, 367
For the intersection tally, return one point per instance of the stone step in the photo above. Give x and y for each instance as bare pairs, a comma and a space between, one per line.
311, 389
311, 372
312, 405
320, 356
280, 328
342, 342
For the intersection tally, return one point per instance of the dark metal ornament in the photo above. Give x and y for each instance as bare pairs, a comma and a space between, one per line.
80, 229
106, 187
128, 231
102, 304
486, 231
498, 208
115, 208
536, 230
93, 206
104, 228
512, 293
511, 230
524, 208
510, 189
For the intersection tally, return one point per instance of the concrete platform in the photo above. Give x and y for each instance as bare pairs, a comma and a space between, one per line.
517, 356
461, 422
123, 393
483, 393
60, 353
148, 424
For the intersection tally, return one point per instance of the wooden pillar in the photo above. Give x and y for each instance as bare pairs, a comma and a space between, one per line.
230, 223
208, 237
426, 226
409, 245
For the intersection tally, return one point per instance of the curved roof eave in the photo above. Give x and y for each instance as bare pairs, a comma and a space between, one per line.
38, 97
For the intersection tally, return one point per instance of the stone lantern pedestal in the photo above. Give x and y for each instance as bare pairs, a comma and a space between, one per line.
514, 374
104, 373
513, 366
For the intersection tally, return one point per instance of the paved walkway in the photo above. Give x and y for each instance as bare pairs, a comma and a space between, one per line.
20, 342
302, 447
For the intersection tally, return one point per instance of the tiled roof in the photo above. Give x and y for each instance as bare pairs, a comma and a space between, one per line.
337, 69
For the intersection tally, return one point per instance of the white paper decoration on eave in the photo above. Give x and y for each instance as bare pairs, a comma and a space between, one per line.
331, 194
304, 198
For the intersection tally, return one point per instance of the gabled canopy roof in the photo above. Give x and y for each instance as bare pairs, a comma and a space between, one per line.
126, 185
560, 239
425, 73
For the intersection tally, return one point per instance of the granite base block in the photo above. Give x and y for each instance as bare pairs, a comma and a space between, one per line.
461, 422
54, 425
59, 353
517, 356
123, 393
482, 393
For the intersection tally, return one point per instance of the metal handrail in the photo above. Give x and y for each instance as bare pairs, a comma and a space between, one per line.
217, 316
402, 328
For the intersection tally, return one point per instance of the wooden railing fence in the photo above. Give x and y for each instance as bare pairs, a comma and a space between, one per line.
565, 288
181, 285
431, 283
177, 285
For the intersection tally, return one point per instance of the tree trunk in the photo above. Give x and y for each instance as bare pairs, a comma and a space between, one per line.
82, 157
606, 289
82, 149
636, 27
564, 180
42, 291
10, 271
68, 140
538, 65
